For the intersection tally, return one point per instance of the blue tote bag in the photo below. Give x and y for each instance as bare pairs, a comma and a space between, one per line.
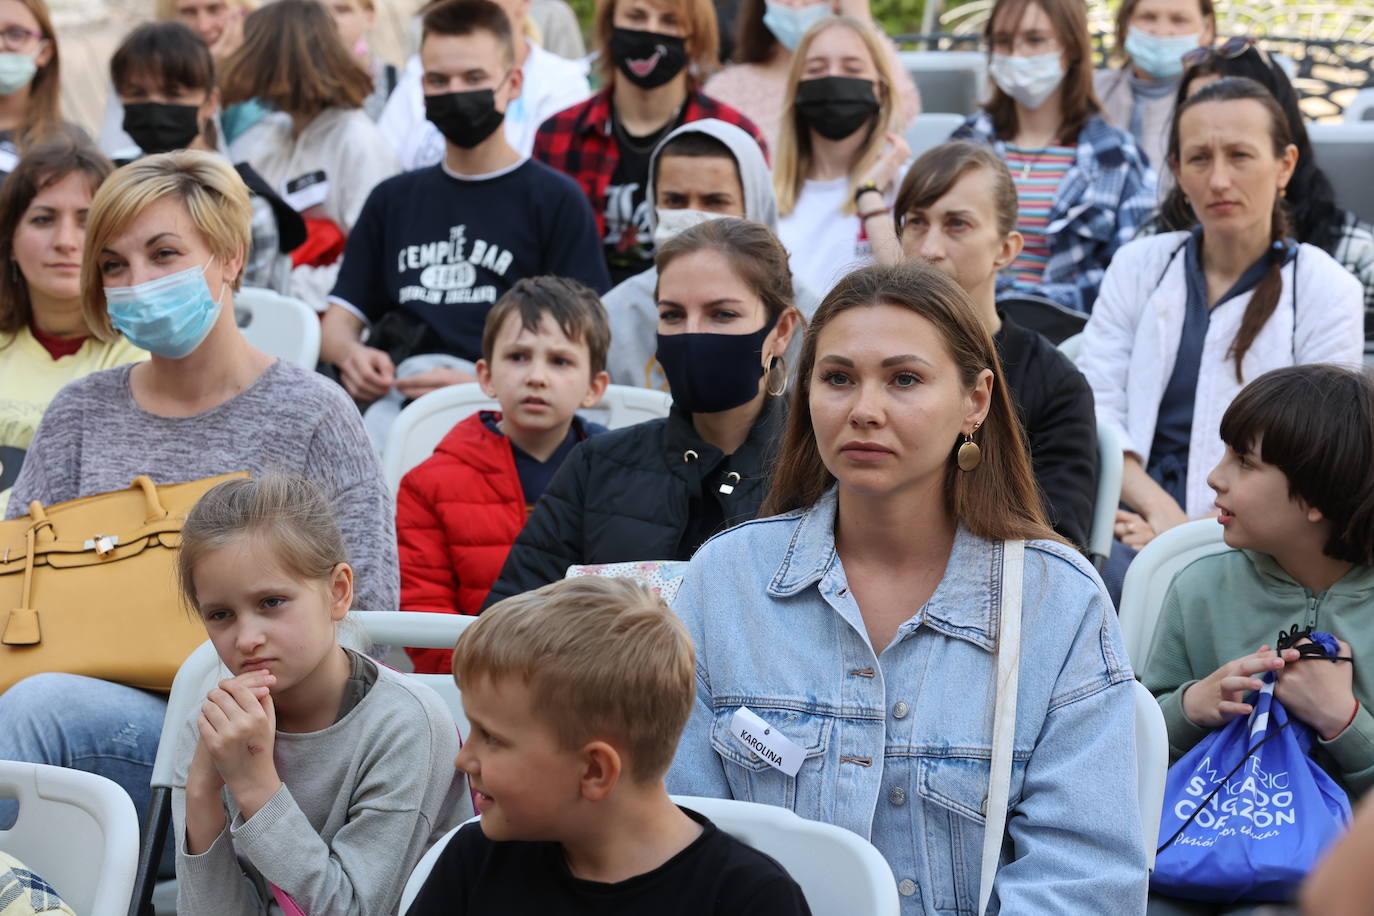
1247, 812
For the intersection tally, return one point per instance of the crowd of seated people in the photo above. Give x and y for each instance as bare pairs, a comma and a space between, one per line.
864, 464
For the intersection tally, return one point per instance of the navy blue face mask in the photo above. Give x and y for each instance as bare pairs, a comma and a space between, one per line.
708, 373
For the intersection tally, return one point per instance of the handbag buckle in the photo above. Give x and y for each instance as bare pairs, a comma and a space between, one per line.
103, 544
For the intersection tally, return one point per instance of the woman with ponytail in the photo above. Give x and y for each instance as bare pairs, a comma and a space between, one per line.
1186, 318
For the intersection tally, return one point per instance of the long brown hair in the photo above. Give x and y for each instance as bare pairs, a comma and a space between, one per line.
999, 500
65, 151
1078, 102
1265, 298
293, 60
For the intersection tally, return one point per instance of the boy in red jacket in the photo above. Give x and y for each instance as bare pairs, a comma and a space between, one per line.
458, 513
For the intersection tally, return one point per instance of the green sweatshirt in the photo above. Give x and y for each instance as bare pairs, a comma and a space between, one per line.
1225, 606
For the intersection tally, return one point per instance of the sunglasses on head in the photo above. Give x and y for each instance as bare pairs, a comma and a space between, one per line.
1227, 50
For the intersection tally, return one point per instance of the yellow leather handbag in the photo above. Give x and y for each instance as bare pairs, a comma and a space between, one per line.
89, 587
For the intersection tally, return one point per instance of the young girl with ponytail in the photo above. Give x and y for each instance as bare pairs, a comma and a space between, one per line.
1186, 318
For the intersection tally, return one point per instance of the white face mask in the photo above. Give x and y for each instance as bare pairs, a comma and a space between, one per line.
1029, 80
673, 223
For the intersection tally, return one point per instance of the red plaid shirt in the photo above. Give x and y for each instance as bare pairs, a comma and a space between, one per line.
578, 141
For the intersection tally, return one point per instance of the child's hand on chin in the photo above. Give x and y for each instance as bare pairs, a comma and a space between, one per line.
1318, 692
238, 726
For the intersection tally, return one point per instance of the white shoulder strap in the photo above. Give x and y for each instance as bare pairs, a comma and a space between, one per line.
1003, 717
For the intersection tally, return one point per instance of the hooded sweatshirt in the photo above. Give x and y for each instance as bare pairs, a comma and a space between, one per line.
632, 307
1224, 606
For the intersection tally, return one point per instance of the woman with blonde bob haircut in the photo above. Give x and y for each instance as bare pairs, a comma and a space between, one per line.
164, 251
863, 624
839, 156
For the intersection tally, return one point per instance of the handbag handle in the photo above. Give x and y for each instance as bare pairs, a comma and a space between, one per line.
1003, 717
153, 510
152, 504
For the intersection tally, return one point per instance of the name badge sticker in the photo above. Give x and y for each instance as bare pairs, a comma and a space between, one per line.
306, 191
776, 749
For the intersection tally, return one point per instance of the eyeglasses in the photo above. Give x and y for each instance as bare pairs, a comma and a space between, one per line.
1227, 50
18, 38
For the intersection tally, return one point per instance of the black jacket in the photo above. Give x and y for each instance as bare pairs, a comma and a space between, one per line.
1055, 405
646, 492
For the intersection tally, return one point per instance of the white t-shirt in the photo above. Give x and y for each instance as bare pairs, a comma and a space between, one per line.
823, 243
551, 84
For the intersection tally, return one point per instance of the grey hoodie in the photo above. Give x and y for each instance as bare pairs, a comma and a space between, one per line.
633, 312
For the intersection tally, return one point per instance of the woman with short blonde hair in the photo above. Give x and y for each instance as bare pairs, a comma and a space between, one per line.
164, 252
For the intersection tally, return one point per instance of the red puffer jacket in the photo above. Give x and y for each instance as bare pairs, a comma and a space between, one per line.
457, 515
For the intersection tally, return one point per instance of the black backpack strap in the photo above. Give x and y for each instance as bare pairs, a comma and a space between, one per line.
290, 226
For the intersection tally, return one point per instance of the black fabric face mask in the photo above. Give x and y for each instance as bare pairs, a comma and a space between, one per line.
648, 59
464, 118
708, 373
836, 106
158, 127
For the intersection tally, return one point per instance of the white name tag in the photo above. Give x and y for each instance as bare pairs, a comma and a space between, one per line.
780, 751
307, 191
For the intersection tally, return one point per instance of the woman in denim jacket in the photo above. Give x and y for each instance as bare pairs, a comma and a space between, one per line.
861, 623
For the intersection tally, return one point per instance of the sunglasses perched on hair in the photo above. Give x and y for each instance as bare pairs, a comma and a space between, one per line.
1227, 50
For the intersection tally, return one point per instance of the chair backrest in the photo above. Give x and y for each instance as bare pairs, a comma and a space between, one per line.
1150, 575
1110, 467
930, 129
1151, 766
1046, 316
417, 630
1344, 152
1361, 107
194, 679
76, 830
840, 872
949, 81
426, 420
1072, 346
281, 326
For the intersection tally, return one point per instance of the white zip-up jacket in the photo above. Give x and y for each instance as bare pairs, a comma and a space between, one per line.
1131, 342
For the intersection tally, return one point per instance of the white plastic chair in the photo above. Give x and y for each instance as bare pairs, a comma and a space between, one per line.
930, 129
1151, 766
840, 872
76, 830
1344, 152
202, 670
1149, 577
1111, 465
280, 326
426, 420
1072, 346
1361, 107
949, 81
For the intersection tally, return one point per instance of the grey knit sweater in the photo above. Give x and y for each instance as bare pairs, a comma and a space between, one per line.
94, 438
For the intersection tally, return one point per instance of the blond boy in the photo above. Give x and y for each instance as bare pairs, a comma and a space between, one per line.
577, 693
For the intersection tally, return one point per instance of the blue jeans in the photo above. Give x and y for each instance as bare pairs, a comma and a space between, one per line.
86, 724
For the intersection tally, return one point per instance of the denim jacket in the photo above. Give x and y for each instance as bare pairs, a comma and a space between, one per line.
897, 743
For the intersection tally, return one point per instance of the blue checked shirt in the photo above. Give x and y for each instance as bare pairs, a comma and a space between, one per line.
1107, 194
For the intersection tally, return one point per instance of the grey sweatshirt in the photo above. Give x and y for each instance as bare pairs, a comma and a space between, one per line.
94, 438
631, 305
360, 803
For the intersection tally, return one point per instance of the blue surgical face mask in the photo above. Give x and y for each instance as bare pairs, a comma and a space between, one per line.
789, 23
16, 72
1161, 56
169, 316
